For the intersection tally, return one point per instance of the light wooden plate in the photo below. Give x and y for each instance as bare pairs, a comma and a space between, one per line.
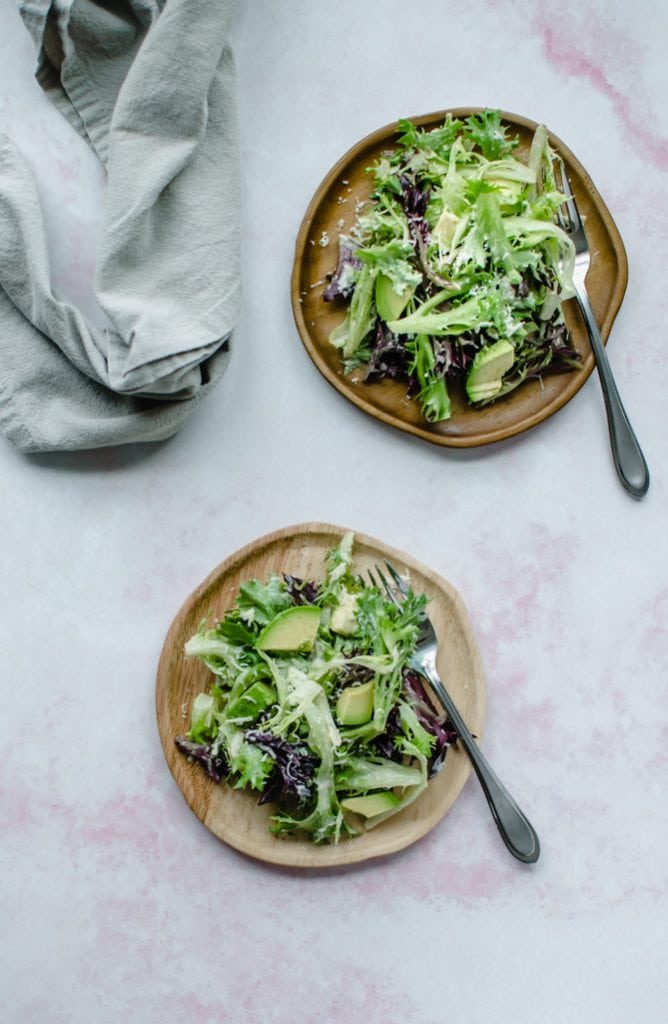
235, 816
332, 210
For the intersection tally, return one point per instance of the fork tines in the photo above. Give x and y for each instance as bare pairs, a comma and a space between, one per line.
572, 221
399, 583
381, 582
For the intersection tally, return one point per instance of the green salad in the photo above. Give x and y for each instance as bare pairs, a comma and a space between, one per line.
456, 268
312, 702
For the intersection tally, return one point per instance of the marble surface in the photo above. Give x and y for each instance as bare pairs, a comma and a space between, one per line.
117, 904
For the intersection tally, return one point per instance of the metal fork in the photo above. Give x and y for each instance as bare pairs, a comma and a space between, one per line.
516, 831
628, 458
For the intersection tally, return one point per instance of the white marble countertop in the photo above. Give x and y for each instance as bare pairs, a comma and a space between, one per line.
117, 904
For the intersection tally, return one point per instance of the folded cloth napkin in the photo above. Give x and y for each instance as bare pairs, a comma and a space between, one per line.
150, 85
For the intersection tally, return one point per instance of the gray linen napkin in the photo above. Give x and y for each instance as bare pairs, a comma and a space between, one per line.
150, 85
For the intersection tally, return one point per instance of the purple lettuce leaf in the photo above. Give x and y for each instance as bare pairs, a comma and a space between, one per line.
454, 355
294, 767
341, 284
301, 591
389, 356
214, 764
563, 354
434, 723
414, 200
385, 744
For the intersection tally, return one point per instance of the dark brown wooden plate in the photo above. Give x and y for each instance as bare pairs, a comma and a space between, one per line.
234, 815
332, 210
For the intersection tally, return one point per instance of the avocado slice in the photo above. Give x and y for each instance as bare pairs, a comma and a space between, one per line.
294, 629
484, 379
355, 704
371, 804
390, 304
252, 702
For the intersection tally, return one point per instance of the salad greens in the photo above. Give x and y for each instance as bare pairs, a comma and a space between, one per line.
457, 249
326, 722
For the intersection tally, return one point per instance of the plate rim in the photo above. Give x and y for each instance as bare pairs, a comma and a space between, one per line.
346, 853
338, 381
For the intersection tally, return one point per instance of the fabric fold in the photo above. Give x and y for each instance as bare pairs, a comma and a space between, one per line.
151, 86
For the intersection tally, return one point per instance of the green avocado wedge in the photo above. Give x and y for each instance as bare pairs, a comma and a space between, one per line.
371, 804
484, 379
355, 704
390, 304
294, 629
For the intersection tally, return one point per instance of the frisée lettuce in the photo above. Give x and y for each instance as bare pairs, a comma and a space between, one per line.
457, 249
336, 731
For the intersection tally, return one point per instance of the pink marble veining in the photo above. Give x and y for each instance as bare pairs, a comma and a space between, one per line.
584, 43
565, 50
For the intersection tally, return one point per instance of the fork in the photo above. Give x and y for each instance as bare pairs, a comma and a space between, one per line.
516, 831
628, 458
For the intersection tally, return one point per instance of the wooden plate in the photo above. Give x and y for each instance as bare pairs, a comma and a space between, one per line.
332, 210
235, 816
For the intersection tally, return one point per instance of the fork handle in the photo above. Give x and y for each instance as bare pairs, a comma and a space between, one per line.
516, 830
626, 452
